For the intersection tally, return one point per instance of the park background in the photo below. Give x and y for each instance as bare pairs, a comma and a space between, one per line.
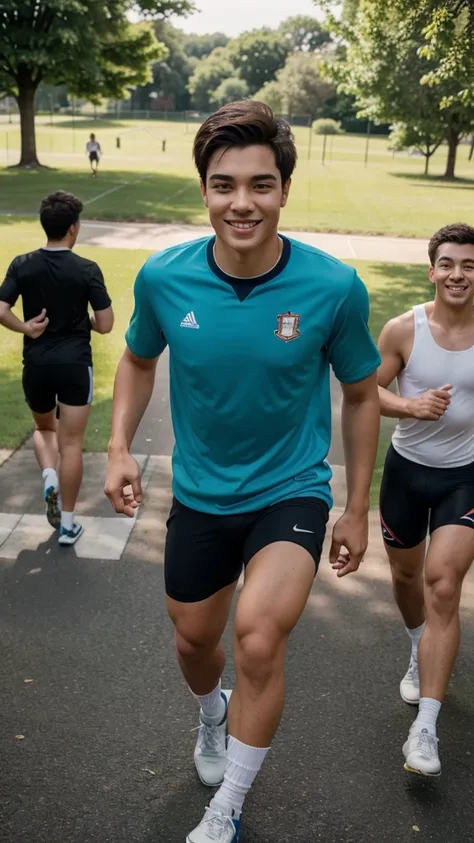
380, 98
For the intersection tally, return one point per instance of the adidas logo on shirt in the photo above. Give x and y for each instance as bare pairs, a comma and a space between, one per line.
189, 321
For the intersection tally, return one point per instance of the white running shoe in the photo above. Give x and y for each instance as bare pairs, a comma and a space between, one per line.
68, 537
210, 755
215, 828
421, 754
410, 684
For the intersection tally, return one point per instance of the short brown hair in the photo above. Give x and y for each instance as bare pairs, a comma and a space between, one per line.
457, 232
244, 124
58, 212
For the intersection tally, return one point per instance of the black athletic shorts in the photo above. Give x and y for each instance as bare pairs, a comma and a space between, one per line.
45, 386
93, 156
416, 498
205, 552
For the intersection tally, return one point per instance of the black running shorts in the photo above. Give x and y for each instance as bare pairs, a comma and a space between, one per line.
93, 156
416, 498
205, 553
45, 386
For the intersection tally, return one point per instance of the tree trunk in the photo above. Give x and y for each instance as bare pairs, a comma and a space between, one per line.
26, 105
427, 160
453, 142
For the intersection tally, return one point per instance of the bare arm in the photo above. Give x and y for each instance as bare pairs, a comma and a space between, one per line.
102, 321
360, 433
133, 387
360, 436
132, 392
32, 328
432, 404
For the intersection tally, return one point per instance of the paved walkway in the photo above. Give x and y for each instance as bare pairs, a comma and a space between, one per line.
344, 246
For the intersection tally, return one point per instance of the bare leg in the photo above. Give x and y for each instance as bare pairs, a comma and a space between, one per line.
45, 441
407, 578
71, 429
198, 631
449, 558
277, 584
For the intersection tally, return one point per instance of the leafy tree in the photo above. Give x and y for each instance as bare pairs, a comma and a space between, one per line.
200, 46
397, 77
298, 87
272, 95
303, 33
89, 45
257, 56
207, 77
230, 90
326, 126
414, 137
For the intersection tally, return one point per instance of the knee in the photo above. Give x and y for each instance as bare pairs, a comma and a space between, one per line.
442, 595
194, 646
259, 650
402, 574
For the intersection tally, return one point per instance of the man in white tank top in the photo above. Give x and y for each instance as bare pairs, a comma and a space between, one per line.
428, 482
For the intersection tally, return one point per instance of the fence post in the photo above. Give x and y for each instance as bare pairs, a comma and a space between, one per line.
367, 144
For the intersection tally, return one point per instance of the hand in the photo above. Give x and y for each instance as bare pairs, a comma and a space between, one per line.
123, 485
432, 404
351, 532
37, 326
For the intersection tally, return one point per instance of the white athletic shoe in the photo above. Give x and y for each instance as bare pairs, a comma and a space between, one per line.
215, 828
68, 537
210, 755
410, 684
421, 754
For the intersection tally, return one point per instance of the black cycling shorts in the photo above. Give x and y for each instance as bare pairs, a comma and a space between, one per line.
415, 499
205, 552
45, 386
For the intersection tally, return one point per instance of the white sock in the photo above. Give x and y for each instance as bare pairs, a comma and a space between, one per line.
415, 635
427, 715
67, 520
50, 478
213, 706
243, 764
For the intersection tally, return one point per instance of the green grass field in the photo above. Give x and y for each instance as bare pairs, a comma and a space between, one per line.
141, 182
392, 288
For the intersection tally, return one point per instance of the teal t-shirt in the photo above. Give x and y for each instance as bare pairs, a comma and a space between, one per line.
249, 369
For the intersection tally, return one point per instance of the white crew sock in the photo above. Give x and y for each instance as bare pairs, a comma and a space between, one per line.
243, 764
415, 635
50, 478
67, 520
427, 716
213, 706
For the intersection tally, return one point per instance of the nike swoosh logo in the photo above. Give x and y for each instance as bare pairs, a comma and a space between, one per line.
299, 530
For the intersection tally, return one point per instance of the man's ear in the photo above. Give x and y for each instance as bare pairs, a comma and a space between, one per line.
285, 192
204, 192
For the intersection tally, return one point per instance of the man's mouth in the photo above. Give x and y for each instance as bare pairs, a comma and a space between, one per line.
243, 225
457, 288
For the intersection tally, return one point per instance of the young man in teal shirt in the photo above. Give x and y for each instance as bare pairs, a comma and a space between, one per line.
253, 321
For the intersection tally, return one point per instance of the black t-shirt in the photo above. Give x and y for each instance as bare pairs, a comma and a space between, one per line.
65, 284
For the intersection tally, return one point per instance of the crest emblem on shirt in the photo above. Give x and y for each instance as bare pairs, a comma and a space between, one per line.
288, 324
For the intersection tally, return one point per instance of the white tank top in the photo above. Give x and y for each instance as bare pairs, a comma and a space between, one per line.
449, 442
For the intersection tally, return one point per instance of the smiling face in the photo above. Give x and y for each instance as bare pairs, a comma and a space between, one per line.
453, 274
244, 195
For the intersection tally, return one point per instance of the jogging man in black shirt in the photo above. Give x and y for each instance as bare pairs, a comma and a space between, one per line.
56, 287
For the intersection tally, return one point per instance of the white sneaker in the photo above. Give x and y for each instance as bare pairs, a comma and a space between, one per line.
215, 828
410, 684
421, 754
210, 755
69, 537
